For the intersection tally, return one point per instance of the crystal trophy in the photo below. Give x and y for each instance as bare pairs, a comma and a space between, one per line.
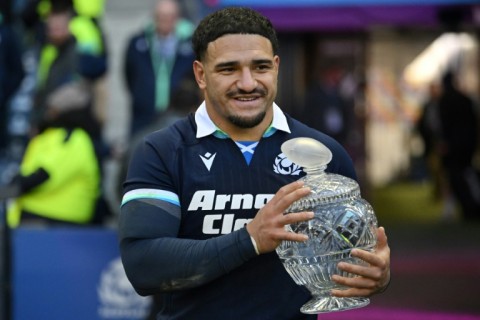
342, 221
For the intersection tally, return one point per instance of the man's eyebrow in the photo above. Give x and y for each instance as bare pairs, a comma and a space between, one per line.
262, 61
234, 63
226, 64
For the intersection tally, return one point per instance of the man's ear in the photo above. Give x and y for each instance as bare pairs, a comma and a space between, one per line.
276, 61
199, 71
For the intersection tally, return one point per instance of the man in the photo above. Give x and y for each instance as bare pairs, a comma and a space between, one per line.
203, 206
157, 60
458, 144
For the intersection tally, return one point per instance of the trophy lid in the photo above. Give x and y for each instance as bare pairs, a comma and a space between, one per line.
326, 187
307, 152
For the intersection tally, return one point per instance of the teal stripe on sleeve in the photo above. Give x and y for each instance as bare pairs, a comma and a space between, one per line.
157, 194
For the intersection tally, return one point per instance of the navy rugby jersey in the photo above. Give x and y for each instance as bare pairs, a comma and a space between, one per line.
188, 195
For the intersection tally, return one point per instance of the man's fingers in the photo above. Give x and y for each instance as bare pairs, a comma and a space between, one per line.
357, 282
381, 238
283, 234
289, 194
369, 257
359, 270
268, 226
356, 286
290, 218
291, 236
353, 292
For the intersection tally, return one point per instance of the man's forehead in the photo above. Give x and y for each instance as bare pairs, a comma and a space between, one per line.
236, 45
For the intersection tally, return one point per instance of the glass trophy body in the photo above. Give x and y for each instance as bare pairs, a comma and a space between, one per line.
342, 221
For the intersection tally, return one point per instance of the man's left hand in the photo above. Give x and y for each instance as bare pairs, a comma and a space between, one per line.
370, 279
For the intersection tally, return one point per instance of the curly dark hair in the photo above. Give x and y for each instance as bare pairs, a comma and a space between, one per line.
232, 20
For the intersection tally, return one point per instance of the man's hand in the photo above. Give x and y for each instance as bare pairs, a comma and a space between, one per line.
370, 279
268, 226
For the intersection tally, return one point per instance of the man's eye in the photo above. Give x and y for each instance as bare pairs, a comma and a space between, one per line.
263, 67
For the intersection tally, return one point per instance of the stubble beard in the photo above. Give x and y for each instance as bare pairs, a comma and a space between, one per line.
247, 123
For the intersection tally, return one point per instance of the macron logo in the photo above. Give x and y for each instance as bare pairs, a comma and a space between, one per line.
207, 159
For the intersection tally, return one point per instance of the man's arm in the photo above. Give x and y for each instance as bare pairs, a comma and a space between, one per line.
155, 260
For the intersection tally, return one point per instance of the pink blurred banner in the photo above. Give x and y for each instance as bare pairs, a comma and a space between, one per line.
370, 313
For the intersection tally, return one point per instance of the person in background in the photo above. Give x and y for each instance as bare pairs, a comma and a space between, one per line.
85, 26
430, 130
11, 73
157, 60
35, 12
204, 202
73, 52
60, 174
325, 108
458, 144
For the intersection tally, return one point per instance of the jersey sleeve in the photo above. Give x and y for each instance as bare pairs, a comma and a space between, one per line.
154, 258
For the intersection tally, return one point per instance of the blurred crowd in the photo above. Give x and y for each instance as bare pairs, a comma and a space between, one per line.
54, 66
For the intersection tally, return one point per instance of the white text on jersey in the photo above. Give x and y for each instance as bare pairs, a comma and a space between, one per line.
208, 200
225, 223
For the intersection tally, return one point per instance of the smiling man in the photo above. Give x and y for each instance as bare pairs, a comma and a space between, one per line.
239, 78
204, 199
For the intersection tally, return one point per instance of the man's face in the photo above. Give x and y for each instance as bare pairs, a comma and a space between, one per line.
58, 28
166, 17
239, 79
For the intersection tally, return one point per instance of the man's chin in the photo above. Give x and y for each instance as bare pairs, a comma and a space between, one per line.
247, 122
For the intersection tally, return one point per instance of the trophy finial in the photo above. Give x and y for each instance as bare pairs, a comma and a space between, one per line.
307, 152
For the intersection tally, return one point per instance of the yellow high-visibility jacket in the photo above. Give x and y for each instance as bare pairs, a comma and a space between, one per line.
71, 192
88, 8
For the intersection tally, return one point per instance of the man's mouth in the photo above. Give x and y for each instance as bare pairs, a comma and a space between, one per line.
246, 98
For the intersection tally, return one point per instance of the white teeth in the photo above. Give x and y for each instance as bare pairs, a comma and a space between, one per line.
246, 99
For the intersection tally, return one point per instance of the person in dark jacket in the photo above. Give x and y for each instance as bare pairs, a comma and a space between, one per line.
157, 60
459, 140
429, 128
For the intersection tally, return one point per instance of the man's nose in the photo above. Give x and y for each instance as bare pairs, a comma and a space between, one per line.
247, 80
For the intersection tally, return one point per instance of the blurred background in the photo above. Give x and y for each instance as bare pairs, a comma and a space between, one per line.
365, 72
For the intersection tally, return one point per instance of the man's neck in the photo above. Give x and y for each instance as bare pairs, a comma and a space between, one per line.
252, 134
245, 134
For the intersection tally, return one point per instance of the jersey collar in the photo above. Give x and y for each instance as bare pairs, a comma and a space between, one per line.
206, 127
